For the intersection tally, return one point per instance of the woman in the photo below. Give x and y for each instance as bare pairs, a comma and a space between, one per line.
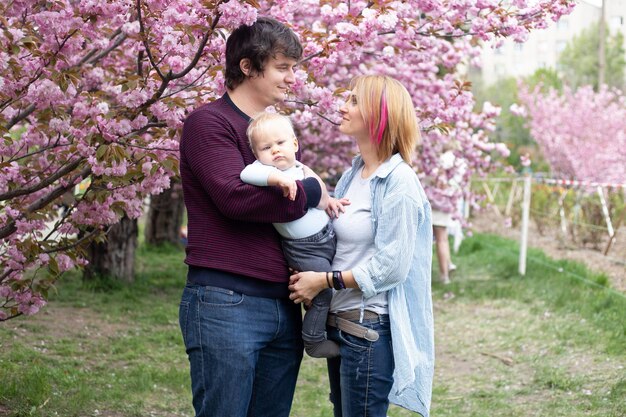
381, 312
441, 220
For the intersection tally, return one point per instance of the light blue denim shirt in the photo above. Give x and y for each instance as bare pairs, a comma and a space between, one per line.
401, 221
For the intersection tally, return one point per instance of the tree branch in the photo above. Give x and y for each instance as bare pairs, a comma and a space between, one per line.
74, 244
310, 57
200, 50
327, 119
11, 317
191, 84
20, 116
38, 151
144, 40
44, 183
172, 76
114, 45
91, 53
9, 228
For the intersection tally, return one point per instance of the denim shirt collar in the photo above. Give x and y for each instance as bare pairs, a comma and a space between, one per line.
384, 169
357, 162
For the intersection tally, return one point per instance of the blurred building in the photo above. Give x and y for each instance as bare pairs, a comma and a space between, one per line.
543, 47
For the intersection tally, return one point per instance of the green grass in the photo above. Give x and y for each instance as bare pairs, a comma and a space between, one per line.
564, 286
126, 358
546, 344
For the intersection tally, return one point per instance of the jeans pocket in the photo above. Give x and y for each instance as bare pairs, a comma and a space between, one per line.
220, 297
183, 319
355, 343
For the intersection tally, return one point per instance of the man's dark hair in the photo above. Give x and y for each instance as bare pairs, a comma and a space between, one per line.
264, 39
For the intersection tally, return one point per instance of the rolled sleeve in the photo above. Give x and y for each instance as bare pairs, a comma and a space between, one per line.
313, 191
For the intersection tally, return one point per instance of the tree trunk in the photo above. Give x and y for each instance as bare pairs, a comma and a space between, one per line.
165, 216
114, 258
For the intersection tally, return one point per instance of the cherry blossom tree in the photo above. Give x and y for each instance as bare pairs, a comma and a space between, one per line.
424, 51
581, 133
93, 94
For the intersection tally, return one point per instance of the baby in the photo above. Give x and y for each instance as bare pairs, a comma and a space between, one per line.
309, 242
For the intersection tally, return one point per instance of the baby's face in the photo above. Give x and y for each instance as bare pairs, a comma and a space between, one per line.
276, 145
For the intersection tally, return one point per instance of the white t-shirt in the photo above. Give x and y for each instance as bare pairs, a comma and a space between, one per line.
314, 219
355, 245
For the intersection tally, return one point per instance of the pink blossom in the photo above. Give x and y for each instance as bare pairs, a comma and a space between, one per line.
120, 118
490, 110
503, 150
387, 21
23, 297
5, 291
103, 107
581, 133
235, 14
131, 28
44, 93
65, 262
518, 110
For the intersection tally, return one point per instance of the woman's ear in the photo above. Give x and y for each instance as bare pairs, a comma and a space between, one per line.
245, 66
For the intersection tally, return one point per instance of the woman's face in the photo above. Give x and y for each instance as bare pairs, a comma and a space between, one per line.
352, 122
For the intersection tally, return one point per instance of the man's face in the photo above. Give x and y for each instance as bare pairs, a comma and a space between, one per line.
276, 145
273, 84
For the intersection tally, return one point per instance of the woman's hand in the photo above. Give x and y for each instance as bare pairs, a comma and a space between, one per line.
335, 207
304, 286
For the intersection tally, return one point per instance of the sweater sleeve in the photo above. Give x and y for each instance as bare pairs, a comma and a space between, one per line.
213, 154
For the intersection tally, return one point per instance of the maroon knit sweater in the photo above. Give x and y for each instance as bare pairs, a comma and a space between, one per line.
229, 222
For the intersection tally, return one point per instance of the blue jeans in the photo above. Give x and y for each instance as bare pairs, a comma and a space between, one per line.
244, 352
315, 253
361, 378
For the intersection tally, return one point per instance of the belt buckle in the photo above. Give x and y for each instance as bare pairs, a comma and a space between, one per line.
371, 335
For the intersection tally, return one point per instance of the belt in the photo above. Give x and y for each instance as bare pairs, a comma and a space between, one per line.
343, 322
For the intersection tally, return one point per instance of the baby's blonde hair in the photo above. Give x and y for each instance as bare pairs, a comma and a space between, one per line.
260, 122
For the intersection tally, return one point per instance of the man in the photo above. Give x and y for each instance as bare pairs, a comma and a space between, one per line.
241, 331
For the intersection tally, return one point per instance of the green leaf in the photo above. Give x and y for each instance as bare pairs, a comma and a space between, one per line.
53, 267
101, 151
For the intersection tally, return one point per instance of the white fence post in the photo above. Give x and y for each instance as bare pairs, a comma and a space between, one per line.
562, 215
525, 216
605, 212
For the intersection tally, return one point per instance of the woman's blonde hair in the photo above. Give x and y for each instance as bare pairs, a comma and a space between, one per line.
388, 110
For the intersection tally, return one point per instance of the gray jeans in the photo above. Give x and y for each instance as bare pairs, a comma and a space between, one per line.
315, 253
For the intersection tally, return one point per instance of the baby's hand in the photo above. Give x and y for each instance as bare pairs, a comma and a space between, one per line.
335, 207
290, 188
288, 185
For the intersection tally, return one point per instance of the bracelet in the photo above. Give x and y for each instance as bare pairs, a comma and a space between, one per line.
328, 280
338, 283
